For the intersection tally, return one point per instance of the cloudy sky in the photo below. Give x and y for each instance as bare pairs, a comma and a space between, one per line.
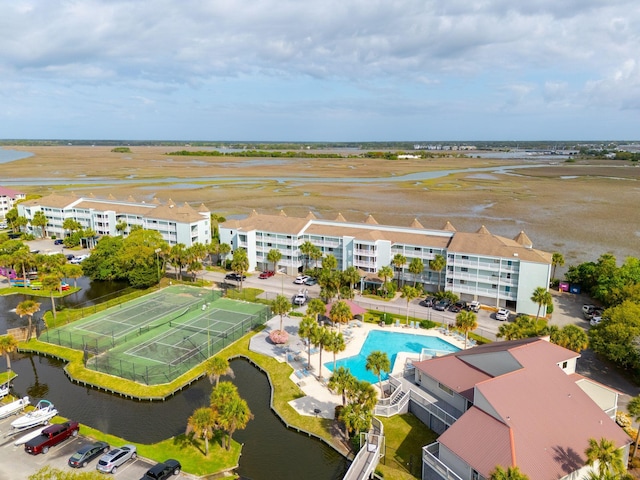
320, 70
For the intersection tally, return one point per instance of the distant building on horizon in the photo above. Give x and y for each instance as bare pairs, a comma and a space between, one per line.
8, 199
494, 270
177, 224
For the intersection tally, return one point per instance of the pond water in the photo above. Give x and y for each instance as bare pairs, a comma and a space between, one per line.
268, 444
11, 155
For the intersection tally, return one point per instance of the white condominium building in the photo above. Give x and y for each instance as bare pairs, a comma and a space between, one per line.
8, 198
495, 270
177, 224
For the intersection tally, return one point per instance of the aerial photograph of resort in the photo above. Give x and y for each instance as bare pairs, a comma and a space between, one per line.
319, 240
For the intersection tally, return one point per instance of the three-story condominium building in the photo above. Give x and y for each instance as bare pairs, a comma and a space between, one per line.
493, 269
177, 224
8, 199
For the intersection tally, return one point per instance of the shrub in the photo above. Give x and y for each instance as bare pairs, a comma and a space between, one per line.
427, 324
279, 337
550, 309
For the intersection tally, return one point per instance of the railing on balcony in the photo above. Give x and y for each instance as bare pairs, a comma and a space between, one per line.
430, 455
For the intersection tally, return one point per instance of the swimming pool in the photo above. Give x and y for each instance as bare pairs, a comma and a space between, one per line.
391, 343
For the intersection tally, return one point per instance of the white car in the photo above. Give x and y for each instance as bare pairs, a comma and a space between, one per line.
301, 279
474, 306
77, 260
301, 297
502, 314
595, 320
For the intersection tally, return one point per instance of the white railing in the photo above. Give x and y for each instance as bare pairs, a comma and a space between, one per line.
366, 461
430, 457
432, 408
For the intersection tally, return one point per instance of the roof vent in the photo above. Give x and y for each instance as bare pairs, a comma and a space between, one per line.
515, 254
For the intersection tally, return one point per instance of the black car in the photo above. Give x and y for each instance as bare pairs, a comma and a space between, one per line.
441, 305
235, 277
458, 307
87, 453
162, 471
428, 302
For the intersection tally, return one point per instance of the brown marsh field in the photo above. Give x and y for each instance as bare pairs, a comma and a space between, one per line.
581, 209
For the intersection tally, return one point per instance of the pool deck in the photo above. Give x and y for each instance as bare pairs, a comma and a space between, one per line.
318, 400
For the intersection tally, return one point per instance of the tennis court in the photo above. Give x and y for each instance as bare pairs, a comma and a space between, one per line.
156, 338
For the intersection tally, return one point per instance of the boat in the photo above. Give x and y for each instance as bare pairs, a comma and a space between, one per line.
41, 415
4, 390
14, 407
28, 436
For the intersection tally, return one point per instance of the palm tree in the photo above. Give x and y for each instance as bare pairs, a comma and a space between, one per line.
320, 340
8, 344
465, 322
350, 277
409, 293
40, 221
556, 259
28, 308
633, 407
511, 473
340, 313
399, 261
222, 393
215, 367
437, 265
541, 296
202, 423
306, 330
305, 249
274, 256
72, 271
240, 263
341, 381
378, 362
336, 344
178, 257
223, 251
329, 262
416, 267
233, 415
385, 272
315, 255
316, 307
281, 306
52, 283
607, 456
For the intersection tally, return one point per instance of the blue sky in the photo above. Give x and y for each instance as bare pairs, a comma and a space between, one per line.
320, 70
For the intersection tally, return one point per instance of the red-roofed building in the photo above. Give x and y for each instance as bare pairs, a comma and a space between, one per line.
521, 404
8, 199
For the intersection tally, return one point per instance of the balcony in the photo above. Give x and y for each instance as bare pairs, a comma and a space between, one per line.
430, 454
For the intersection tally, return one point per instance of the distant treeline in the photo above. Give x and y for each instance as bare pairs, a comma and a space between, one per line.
255, 153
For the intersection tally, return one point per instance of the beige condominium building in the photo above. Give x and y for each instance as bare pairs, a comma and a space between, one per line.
176, 223
495, 270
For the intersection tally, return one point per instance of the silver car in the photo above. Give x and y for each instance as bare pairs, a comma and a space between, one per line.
110, 462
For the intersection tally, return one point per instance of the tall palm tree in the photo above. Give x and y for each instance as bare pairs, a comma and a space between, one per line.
606, 455
281, 306
222, 393
329, 262
340, 313
541, 296
305, 249
52, 283
40, 221
316, 307
416, 267
556, 259
73, 271
274, 256
202, 423
350, 276
223, 251
215, 367
233, 415
8, 344
466, 321
316, 254
386, 273
340, 381
306, 330
510, 473
28, 308
178, 257
320, 340
335, 345
378, 362
409, 293
437, 265
240, 263
399, 261
633, 407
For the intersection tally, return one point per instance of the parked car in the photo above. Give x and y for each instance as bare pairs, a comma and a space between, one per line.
117, 457
474, 306
502, 314
163, 470
428, 302
441, 305
301, 297
77, 260
595, 320
70, 256
590, 311
458, 306
300, 279
311, 281
58, 241
85, 454
51, 436
266, 274
235, 277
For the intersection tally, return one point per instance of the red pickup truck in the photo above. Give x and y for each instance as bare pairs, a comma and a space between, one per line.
51, 436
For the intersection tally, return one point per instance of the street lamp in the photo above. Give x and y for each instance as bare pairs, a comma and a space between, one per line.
158, 250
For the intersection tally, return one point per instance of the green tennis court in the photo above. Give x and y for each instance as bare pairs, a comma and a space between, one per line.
158, 337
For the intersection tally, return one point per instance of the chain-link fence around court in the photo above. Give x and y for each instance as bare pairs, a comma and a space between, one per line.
156, 338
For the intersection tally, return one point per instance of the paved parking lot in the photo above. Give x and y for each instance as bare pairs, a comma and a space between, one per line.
16, 464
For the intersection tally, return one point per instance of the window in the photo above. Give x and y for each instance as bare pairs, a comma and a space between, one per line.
464, 269
463, 282
494, 286
445, 389
565, 365
465, 257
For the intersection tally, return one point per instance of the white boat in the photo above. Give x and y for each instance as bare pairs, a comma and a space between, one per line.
28, 436
4, 390
14, 407
41, 415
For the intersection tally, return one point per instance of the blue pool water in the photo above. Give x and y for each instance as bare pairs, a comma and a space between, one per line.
391, 343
